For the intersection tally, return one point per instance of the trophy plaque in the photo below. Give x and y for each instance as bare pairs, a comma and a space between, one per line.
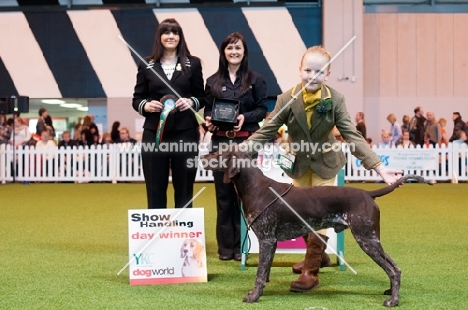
224, 113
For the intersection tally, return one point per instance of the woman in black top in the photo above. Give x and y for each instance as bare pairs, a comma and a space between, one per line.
233, 80
170, 70
115, 134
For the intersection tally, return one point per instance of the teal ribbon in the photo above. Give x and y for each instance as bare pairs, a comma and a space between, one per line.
169, 104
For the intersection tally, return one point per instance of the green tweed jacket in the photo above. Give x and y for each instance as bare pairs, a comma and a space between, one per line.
315, 148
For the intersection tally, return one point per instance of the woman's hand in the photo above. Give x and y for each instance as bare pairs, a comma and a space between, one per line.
153, 106
209, 125
183, 104
389, 176
240, 122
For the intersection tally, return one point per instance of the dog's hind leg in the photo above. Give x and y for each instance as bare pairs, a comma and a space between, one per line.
266, 253
366, 237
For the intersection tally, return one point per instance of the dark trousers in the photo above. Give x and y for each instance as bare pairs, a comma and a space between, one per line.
228, 207
158, 163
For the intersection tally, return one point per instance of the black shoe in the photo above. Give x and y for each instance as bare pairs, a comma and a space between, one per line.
238, 257
225, 257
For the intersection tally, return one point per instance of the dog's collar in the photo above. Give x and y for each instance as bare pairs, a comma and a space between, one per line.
266, 207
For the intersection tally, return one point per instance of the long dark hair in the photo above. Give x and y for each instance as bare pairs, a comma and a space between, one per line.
223, 72
170, 24
115, 126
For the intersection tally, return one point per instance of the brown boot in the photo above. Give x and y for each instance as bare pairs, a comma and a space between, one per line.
297, 267
309, 276
326, 262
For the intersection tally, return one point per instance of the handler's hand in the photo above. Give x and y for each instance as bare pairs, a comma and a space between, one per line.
240, 122
389, 176
153, 106
209, 125
183, 104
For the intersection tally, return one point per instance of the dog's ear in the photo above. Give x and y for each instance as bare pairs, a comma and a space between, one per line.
198, 253
182, 247
232, 169
208, 160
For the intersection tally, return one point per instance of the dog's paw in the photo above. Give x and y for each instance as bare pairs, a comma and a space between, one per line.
392, 302
251, 297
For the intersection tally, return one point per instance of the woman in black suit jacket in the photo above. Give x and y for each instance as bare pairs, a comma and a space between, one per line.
235, 81
170, 70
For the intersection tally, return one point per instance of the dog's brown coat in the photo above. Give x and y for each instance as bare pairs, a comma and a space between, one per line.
321, 207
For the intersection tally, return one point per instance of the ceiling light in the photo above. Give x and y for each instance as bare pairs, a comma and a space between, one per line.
71, 105
85, 109
52, 101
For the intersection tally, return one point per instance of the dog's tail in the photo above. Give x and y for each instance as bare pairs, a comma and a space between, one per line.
390, 188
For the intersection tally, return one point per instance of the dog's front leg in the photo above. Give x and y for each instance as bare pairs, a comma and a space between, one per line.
271, 261
266, 253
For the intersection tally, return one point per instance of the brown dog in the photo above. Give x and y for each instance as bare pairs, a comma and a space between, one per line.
321, 207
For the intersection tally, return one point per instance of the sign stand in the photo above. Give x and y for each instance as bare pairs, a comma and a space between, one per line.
248, 238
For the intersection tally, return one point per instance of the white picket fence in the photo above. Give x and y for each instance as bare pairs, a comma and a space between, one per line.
117, 164
440, 163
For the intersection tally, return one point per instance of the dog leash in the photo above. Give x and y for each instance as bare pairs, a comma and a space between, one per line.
268, 205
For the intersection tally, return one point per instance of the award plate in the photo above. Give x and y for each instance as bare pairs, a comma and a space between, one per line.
224, 113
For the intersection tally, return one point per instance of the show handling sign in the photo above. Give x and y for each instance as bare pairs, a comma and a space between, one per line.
166, 246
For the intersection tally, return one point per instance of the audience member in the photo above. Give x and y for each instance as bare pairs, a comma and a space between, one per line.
67, 141
432, 128
386, 141
405, 123
443, 132
124, 136
405, 141
458, 124
41, 124
107, 138
45, 142
369, 141
87, 136
395, 128
115, 134
96, 140
49, 126
417, 126
361, 124
428, 140
20, 136
77, 131
461, 138
93, 128
5, 130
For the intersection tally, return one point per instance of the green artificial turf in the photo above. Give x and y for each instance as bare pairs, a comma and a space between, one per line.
62, 246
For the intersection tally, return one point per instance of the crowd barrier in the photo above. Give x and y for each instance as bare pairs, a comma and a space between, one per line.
115, 163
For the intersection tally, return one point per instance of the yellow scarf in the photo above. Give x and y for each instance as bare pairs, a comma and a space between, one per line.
310, 101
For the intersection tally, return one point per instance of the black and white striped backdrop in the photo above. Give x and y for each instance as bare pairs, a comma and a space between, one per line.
78, 53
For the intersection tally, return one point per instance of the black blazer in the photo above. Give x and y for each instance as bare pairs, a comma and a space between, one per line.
71, 144
187, 84
253, 103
